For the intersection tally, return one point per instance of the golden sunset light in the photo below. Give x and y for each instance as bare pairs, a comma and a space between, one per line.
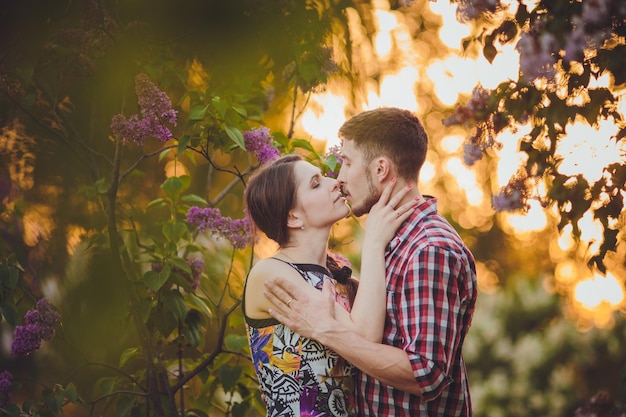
453, 77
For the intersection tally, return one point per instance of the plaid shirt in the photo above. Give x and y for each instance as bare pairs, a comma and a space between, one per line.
431, 291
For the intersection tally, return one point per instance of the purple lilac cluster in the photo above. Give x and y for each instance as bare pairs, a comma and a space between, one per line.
474, 111
6, 386
197, 268
260, 141
237, 231
39, 324
540, 50
472, 9
513, 196
155, 112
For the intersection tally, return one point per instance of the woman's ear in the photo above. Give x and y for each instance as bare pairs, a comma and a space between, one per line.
294, 221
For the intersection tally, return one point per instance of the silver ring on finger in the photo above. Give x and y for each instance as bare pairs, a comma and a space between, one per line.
289, 303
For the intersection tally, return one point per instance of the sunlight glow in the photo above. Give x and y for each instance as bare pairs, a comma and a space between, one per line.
592, 292
534, 220
583, 153
394, 58
466, 179
452, 31
325, 116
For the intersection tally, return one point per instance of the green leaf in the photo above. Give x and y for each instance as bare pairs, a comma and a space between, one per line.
229, 375
9, 276
123, 405
164, 153
174, 231
193, 198
156, 203
155, 280
174, 186
490, 52
102, 186
70, 392
200, 303
127, 355
235, 135
240, 109
104, 386
180, 264
220, 105
12, 410
182, 145
198, 113
304, 144
9, 313
237, 343
175, 303
192, 332
331, 161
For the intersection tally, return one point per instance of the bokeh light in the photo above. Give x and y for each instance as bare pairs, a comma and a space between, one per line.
452, 77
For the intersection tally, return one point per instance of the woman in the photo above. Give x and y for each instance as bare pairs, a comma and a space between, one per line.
294, 205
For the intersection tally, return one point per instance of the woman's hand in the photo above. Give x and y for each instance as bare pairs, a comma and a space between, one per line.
387, 215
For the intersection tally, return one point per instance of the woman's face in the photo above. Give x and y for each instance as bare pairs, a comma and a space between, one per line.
319, 201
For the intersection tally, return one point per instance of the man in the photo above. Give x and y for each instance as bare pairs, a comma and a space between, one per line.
418, 369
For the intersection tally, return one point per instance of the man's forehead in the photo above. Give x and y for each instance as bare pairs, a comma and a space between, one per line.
348, 149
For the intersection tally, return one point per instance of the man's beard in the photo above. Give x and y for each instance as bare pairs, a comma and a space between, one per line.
371, 199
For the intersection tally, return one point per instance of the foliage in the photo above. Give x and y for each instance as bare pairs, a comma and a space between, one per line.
525, 358
565, 46
165, 335
128, 131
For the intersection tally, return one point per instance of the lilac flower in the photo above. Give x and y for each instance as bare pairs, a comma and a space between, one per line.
237, 231
595, 11
471, 153
472, 9
39, 324
260, 142
474, 111
575, 41
155, 111
6, 385
197, 267
537, 55
508, 201
26, 340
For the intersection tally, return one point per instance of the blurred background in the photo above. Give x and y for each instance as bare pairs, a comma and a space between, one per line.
549, 332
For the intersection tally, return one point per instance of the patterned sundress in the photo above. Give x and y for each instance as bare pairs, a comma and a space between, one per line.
298, 376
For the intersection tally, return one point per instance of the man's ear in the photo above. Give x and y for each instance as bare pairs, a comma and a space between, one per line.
383, 168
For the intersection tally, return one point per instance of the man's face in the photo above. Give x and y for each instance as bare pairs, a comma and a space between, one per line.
356, 179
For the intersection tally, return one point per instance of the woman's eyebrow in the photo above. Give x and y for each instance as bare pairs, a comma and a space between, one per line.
315, 176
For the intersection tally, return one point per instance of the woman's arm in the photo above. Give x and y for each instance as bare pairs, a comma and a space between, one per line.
367, 316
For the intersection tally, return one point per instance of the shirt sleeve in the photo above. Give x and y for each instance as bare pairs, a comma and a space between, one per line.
431, 317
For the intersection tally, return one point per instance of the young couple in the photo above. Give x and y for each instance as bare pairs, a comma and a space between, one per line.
391, 345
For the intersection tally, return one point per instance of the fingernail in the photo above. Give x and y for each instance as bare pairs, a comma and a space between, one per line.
409, 186
393, 179
417, 199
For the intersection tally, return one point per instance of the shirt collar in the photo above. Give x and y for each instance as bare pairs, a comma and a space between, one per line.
426, 207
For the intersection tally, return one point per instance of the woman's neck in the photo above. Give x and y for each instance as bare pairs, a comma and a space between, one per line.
304, 255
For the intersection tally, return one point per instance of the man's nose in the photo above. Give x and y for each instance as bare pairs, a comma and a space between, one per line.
341, 177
